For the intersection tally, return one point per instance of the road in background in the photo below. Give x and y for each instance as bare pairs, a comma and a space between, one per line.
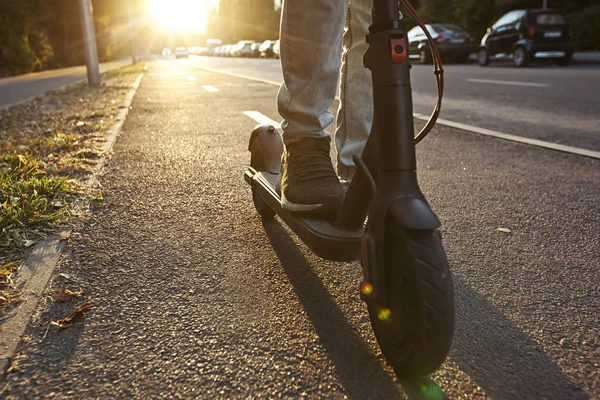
17, 89
194, 296
546, 102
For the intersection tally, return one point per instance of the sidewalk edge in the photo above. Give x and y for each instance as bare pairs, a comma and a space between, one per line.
37, 269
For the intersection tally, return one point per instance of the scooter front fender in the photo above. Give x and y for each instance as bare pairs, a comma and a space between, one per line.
413, 213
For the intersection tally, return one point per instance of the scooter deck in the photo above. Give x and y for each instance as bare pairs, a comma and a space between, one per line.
318, 233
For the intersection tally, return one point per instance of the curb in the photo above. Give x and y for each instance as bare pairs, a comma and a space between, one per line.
37, 269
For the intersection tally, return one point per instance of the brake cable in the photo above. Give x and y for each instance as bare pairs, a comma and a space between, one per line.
437, 70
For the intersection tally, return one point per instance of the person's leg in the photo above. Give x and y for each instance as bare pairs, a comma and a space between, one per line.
355, 114
311, 45
310, 41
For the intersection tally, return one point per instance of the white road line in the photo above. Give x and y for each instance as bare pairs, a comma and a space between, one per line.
219, 71
444, 122
511, 83
262, 118
210, 88
191, 77
514, 138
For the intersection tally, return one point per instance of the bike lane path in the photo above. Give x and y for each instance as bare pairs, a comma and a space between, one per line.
194, 297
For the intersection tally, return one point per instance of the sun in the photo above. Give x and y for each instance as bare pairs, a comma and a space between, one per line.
182, 15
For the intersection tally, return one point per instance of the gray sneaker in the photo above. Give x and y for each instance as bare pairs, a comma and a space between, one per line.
309, 183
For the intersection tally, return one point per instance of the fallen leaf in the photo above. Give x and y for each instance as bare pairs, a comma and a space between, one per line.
60, 324
29, 243
503, 230
65, 295
66, 239
99, 197
80, 123
6, 144
66, 321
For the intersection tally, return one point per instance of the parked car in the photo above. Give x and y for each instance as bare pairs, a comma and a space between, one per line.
181, 52
197, 50
276, 52
452, 41
211, 46
254, 53
527, 35
266, 49
242, 48
223, 51
166, 52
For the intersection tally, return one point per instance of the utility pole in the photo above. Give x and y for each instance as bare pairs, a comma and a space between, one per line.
545, 5
131, 32
89, 41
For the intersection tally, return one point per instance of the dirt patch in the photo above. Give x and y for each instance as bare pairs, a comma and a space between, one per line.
48, 149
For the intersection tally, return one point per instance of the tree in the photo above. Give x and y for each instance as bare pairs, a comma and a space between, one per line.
245, 20
474, 15
24, 43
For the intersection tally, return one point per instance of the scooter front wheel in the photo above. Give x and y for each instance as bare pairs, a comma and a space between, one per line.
415, 333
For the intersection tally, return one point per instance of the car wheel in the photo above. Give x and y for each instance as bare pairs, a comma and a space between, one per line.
483, 58
520, 57
425, 56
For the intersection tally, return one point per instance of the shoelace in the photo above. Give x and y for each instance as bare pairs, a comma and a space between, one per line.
312, 165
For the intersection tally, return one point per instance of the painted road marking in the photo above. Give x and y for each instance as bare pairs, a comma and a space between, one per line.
210, 88
514, 138
252, 78
511, 83
262, 118
444, 122
191, 77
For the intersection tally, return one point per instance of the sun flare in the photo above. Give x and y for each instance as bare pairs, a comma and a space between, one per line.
182, 15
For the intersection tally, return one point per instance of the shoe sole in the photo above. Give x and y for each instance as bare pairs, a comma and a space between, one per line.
330, 205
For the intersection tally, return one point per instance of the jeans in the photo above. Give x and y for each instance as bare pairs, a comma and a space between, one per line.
320, 38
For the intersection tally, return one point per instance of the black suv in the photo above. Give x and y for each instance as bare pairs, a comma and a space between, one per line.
527, 35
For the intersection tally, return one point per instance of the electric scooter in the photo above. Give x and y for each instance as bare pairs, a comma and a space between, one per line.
384, 220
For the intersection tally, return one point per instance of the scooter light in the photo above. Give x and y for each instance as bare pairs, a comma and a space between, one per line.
384, 314
366, 288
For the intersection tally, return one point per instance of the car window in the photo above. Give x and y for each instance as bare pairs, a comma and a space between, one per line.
433, 30
437, 28
501, 21
508, 19
550, 19
452, 28
416, 31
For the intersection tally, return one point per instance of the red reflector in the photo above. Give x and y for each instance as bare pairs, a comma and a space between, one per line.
531, 32
398, 50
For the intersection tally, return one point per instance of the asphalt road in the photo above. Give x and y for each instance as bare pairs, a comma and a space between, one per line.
16, 89
545, 102
195, 297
